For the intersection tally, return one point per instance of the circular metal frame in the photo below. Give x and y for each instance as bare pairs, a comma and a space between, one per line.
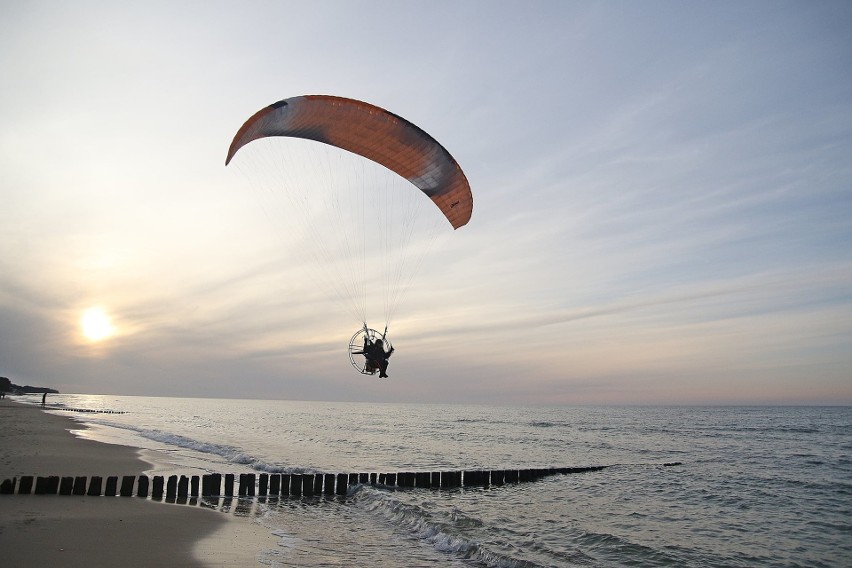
356, 349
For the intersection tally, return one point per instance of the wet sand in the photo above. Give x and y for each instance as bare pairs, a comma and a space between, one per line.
45, 530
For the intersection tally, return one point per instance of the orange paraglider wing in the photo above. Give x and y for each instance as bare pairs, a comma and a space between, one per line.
373, 133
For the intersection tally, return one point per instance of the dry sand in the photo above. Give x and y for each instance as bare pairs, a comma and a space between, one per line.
56, 530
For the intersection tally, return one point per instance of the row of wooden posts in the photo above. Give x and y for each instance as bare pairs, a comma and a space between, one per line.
89, 410
268, 485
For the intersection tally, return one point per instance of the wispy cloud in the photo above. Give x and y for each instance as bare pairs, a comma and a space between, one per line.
662, 200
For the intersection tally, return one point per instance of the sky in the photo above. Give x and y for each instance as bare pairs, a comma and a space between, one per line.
662, 200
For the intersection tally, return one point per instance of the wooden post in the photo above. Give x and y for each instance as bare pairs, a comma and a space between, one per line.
229, 485
435, 480
372, 479
43, 486
296, 484
275, 484
363, 478
94, 486
405, 479
383, 478
423, 479
8, 486
329, 484
66, 486
353, 479
111, 486
142, 489
183, 487
511, 476
308, 484
25, 487
341, 484
479, 477
285, 484
127, 486
497, 476
157, 487
318, 478
52, 484
216, 484
263, 484
193, 486
391, 479
171, 487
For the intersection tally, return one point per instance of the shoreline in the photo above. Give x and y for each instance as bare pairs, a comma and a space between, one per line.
37, 530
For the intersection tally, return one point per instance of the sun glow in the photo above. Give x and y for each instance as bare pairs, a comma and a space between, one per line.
96, 324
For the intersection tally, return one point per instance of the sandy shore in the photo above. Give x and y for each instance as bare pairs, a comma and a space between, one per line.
42, 530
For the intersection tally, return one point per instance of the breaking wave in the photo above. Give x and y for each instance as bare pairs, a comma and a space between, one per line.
444, 531
229, 453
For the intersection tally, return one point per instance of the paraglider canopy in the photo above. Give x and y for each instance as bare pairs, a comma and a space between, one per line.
374, 133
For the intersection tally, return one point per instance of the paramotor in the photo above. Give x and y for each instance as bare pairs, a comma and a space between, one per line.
341, 179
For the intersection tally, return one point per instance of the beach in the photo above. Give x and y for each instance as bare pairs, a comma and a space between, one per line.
38, 530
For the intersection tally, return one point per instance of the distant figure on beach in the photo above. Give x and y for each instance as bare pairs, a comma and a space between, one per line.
43, 399
377, 357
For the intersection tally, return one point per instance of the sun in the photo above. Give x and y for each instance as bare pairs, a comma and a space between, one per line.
96, 324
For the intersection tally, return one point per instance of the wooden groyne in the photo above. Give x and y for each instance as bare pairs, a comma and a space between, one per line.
85, 410
269, 485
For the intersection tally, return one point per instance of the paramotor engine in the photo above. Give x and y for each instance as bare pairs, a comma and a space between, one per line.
358, 346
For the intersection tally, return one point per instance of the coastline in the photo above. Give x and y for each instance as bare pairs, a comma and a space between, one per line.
39, 530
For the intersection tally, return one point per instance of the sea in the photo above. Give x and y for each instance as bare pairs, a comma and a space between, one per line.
683, 485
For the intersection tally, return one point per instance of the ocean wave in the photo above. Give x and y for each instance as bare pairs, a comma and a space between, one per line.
444, 531
229, 453
614, 549
546, 424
